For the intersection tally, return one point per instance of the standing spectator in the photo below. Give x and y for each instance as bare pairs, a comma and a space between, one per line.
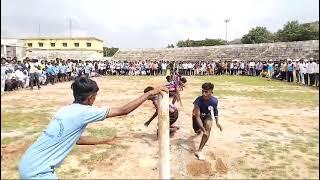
34, 76
160, 68
309, 72
313, 65
304, 72
3, 74
316, 73
87, 70
270, 69
251, 67
297, 70
290, 71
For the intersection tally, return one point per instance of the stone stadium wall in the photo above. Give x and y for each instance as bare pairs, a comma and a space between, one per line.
263, 51
51, 55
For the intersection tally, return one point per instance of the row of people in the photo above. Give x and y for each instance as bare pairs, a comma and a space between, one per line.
31, 72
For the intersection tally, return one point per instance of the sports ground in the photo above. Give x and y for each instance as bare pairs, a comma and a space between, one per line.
270, 130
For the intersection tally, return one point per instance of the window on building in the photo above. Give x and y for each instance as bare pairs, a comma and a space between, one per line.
29, 44
64, 44
40, 44
88, 44
76, 44
53, 44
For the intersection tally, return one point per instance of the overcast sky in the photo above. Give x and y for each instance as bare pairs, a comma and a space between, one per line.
149, 23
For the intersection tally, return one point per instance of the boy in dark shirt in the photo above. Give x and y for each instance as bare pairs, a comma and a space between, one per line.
205, 107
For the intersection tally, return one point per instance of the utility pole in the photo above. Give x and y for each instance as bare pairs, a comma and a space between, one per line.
39, 30
227, 21
70, 27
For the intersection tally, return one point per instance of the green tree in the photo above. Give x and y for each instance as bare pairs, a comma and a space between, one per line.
199, 43
258, 35
293, 31
170, 46
109, 52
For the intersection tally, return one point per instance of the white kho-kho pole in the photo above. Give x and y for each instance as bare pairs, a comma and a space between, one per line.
164, 139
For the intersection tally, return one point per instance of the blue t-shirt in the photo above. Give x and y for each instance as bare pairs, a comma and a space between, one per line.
62, 69
290, 67
206, 105
58, 139
55, 69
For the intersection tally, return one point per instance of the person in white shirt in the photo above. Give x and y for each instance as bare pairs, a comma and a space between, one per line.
190, 67
309, 72
3, 74
297, 70
164, 67
316, 73
303, 69
33, 72
23, 78
251, 66
313, 65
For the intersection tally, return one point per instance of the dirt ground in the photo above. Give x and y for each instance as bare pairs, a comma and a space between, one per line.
259, 139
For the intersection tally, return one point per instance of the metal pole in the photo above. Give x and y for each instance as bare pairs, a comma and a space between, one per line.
39, 30
227, 21
70, 27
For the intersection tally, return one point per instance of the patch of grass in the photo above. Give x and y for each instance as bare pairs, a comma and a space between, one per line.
302, 99
266, 148
284, 124
20, 120
73, 171
291, 131
98, 157
279, 171
34, 131
103, 132
275, 134
276, 117
312, 165
247, 134
299, 145
265, 120
270, 91
297, 156
9, 140
240, 162
252, 172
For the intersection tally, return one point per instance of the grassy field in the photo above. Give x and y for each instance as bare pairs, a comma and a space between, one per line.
270, 130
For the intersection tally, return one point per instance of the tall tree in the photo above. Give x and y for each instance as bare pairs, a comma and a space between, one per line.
109, 52
293, 31
258, 35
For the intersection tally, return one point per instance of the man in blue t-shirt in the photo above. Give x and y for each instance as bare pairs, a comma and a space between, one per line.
65, 129
205, 107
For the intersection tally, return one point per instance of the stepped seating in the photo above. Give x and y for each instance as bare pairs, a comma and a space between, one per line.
266, 51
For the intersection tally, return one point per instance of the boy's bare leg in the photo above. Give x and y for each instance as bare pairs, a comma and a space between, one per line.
205, 137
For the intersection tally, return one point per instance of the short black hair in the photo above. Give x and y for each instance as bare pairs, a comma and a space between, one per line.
168, 78
207, 86
82, 88
147, 89
183, 79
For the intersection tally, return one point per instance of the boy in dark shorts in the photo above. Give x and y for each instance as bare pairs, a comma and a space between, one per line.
173, 112
205, 107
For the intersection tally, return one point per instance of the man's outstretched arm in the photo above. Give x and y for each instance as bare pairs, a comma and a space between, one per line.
89, 140
129, 107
